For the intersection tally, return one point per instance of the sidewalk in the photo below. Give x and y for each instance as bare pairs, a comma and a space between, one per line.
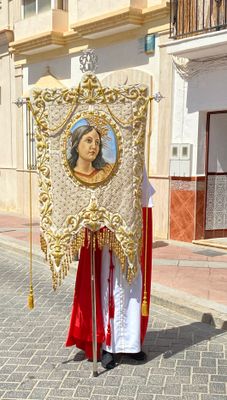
188, 278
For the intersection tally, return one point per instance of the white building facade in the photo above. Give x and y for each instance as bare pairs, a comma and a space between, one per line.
43, 39
198, 160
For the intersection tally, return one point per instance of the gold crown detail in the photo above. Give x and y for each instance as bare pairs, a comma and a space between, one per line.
98, 124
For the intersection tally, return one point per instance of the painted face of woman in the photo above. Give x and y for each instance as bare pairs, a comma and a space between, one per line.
89, 146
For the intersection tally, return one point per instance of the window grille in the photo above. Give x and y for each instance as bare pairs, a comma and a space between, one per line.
192, 17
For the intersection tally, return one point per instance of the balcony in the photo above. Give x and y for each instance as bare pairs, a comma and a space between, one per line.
194, 17
41, 32
121, 20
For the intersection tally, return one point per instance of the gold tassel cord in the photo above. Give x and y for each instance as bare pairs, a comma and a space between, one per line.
31, 294
31, 299
145, 303
144, 307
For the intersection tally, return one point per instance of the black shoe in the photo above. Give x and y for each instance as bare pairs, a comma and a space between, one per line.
107, 360
141, 356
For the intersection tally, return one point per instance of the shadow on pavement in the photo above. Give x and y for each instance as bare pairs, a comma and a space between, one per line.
170, 342
159, 243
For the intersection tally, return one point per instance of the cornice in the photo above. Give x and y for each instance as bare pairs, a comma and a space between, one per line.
105, 26
127, 16
109, 21
36, 42
6, 36
155, 13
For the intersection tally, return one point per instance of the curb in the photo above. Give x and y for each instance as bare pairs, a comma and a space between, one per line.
16, 246
209, 243
202, 310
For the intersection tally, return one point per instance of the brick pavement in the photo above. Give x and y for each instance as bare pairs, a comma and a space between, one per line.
186, 278
187, 360
196, 270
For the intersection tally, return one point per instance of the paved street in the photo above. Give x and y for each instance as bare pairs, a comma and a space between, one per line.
186, 359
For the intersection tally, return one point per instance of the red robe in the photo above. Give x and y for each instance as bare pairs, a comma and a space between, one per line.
80, 330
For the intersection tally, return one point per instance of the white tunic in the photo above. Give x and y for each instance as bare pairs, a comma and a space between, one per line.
125, 329
125, 326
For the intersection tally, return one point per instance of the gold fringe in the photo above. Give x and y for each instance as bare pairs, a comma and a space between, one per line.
107, 237
43, 245
59, 278
100, 238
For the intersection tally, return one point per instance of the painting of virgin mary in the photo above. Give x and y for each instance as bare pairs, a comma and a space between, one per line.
90, 160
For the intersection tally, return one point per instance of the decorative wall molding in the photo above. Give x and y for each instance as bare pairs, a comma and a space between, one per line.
43, 40
133, 17
188, 69
216, 211
192, 183
107, 25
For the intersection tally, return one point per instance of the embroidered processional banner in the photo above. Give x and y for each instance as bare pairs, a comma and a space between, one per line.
90, 158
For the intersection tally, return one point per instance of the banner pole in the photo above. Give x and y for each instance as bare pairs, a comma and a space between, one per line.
31, 294
93, 304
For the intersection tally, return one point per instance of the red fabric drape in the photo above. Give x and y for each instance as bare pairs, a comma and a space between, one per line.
80, 330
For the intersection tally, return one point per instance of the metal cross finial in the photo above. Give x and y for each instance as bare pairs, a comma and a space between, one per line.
88, 61
158, 97
20, 102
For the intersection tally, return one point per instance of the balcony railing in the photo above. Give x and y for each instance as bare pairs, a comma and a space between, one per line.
192, 17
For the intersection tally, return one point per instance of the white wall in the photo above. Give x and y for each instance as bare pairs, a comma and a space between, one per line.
151, 3
4, 23
184, 123
53, 20
201, 145
207, 91
91, 8
191, 101
7, 159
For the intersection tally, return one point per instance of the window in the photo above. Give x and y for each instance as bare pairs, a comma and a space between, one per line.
29, 8
33, 7
60, 4
44, 5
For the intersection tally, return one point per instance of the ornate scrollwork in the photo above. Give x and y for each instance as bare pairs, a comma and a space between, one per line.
89, 92
63, 237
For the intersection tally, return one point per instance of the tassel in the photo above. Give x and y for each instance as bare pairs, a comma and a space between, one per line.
111, 301
111, 307
110, 281
31, 299
144, 308
108, 335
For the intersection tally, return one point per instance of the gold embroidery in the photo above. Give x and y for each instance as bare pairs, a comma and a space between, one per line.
109, 198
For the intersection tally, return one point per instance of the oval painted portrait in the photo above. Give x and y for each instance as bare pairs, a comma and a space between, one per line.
92, 150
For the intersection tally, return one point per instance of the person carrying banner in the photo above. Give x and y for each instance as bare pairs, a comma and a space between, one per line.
121, 325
